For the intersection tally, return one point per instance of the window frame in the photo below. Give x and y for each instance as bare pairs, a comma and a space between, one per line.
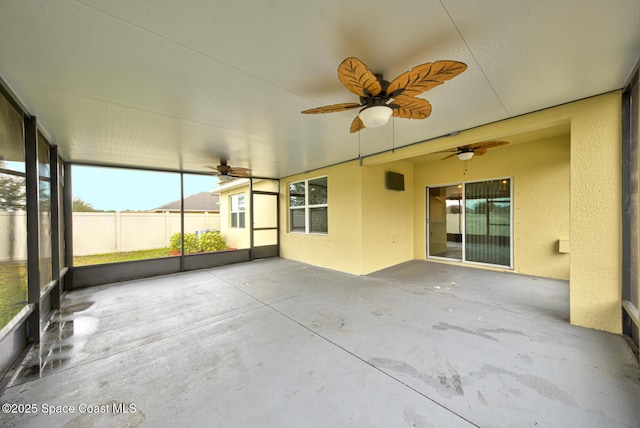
16, 282
307, 207
45, 194
239, 224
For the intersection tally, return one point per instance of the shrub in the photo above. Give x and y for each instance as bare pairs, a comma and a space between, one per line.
190, 243
212, 241
175, 242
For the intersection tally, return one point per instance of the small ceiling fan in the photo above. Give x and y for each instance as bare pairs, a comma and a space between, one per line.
226, 172
467, 152
381, 99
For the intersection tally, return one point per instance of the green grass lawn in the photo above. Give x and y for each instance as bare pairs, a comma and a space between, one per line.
13, 290
126, 256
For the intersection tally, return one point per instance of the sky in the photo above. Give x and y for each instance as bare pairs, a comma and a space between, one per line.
122, 189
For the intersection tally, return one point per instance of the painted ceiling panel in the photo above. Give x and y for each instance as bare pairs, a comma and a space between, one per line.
550, 52
177, 85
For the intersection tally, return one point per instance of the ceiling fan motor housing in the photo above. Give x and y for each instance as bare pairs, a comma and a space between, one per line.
381, 98
224, 169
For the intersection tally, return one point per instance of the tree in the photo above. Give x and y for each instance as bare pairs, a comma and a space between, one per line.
12, 193
81, 206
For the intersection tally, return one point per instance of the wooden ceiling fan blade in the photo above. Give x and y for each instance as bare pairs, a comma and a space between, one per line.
215, 169
423, 77
410, 107
332, 108
493, 144
239, 171
486, 145
357, 78
357, 125
480, 152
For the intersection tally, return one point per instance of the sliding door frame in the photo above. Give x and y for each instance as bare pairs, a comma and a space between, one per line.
464, 225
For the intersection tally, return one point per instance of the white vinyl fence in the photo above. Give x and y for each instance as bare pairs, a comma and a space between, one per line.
13, 236
100, 233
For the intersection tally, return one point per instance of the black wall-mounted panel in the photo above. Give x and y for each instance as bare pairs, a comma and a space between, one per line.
394, 181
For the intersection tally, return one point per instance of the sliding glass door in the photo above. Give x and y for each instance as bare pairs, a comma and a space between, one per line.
471, 222
445, 222
488, 222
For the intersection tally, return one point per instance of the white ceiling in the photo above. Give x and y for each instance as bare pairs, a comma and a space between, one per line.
177, 84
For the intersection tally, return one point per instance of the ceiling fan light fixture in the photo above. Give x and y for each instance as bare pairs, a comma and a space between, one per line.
463, 156
375, 116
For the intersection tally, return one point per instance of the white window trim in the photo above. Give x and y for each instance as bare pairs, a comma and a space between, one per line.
237, 212
306, 207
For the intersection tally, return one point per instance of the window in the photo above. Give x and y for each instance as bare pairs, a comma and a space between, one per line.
308, 206
13, 217
61, 241
237, 211
44, 183
471, 222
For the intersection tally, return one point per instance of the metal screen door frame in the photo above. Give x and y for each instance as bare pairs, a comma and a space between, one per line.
269, 250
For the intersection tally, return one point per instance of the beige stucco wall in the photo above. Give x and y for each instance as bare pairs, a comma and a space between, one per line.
264, 212
370, 226
342, 247
374, 228
596, 213
595, 198
541, 190
387, 217
579, 200
234, 237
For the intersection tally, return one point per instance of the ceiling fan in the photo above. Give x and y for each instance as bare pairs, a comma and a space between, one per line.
467, 152
226, 172
381, 99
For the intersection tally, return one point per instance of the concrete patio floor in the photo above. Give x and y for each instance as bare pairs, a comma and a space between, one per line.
276, 343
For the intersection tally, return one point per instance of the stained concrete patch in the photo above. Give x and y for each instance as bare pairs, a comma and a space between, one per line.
485, 333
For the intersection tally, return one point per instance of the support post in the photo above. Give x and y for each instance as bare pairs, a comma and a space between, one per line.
33, 227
